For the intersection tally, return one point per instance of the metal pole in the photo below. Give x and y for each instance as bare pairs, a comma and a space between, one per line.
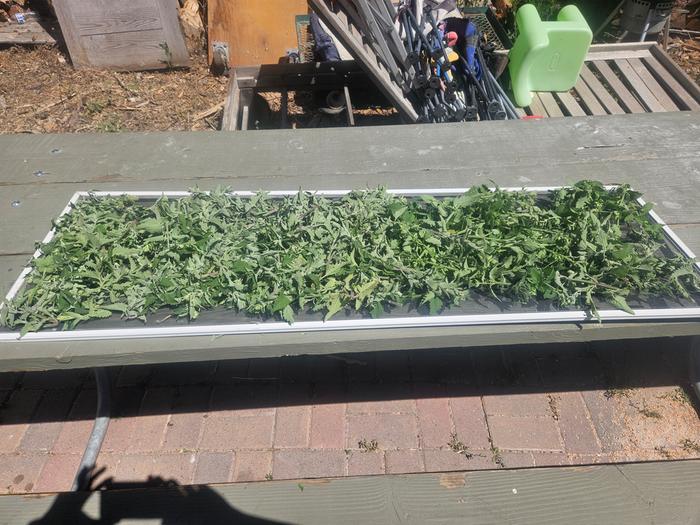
647, 22
99, 430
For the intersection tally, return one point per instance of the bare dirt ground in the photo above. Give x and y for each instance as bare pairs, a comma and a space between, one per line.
41, 92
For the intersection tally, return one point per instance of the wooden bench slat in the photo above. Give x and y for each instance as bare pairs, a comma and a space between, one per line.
571, 104
625, 95
601, 93
589, 99
617, 54
649, 80
550, 104
536, 108
684, 99
639, 86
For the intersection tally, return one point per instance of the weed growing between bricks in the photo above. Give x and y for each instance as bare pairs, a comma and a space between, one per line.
626, 393
690, 446
679, 395
368, 446
646, 411
496, 455
457, 446
618, 393
662, 451
552, 401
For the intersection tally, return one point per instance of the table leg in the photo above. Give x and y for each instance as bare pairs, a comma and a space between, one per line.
99, 430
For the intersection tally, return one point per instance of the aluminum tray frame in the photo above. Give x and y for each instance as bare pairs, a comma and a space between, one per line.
266, 327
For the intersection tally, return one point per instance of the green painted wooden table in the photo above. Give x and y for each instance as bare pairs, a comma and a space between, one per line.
658, 154
635, 494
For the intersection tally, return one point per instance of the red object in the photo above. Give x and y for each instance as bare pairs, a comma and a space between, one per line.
531, 117
451, 38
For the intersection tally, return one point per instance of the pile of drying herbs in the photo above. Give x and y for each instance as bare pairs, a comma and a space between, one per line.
368, 251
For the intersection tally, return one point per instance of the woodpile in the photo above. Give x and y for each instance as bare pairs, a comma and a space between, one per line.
9, 9
191, 20
686, 15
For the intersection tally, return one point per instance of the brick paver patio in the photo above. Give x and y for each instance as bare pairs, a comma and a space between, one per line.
394, 412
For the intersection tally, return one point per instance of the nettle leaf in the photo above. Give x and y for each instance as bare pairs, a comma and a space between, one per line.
281, 302
121, 251
288, 314
377, 311
99, 313
621, 303
333, 307
435, 305
150, 225
397, 209
117, 307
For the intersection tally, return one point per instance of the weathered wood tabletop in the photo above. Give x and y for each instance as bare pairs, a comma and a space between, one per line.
626, 494
658, 154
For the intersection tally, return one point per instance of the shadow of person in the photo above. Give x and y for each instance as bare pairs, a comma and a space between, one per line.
153, 499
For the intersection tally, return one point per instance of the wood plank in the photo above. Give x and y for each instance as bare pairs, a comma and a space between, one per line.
621, 46
677, 91
70, 34
172, 160
617, 55
174, 38
679, 74
550, 104
31, 32
650, 82
600, 91
632, 149
348, 106
589, 100
625, 494
690, 235
649, 99
10, 268
622, 93
536, 107
599, 157
246, 111
37, 356
571, 104
256, 32
126, 51
99, 17
143, 34
229, 122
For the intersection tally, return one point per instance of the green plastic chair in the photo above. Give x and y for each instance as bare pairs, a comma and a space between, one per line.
547, 56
